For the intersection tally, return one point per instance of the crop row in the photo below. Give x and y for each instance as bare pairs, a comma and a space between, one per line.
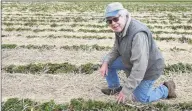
182, 39
180, 14
55, 24
73, 47
95, 20
93, 15
88, 68
68, 36
79, 104
173, 27
66, 47
10, 29
23, 17
93, 6
62, 29
52, 68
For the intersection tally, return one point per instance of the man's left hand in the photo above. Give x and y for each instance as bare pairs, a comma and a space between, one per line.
121, 98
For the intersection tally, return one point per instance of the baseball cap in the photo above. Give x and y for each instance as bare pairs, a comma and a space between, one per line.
112, 9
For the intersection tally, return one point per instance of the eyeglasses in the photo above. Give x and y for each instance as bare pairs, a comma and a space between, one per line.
114, 19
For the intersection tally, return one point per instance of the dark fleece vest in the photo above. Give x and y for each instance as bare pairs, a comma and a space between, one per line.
124, 45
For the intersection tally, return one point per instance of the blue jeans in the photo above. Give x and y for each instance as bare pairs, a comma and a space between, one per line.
144, 92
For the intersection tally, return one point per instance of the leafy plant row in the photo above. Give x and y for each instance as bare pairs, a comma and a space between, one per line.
185, 27
70, 36
182, 39
78, 19
179, 67
52, 20
62, 29
85, 68
175, 49
52, 68
79, 104
53, 24
9, 29
48, 47
74, 47
170, 32
175, 27
26, 21
94, 6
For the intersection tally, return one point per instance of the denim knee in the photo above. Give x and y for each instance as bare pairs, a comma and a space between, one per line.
142, 98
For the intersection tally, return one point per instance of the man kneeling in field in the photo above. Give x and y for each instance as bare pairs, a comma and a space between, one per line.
136, 53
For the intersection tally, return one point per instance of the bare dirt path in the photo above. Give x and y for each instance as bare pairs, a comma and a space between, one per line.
64, 87
27, 56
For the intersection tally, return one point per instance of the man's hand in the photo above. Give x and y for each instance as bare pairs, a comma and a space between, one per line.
121, 98
104, 69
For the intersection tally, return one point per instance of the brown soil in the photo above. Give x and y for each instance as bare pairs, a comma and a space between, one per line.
64, 87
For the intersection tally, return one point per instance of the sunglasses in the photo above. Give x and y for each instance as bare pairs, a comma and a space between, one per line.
114, 19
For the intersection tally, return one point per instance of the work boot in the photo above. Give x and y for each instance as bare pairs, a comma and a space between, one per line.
171, 87
111, 91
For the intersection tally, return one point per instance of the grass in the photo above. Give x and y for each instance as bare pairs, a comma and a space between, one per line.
87, 6
13, 46
88, 68
182, 39
185, 40
179, 67
66, 47
69, 36
86, 47
8, 46
52, 68
175, 49
79, 104
48, 47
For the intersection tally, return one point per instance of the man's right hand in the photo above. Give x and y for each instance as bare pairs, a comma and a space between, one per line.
104, 69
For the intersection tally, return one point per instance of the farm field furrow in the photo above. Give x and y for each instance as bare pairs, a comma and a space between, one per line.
45, 87
76, 41
61, 37
93, 30
60, 56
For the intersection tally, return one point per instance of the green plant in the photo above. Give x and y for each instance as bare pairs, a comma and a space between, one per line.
177, 49
166, 38
67, 30
9, 29
88, 68
8, 24
53, 25
79, 104
185, 40
8, 46
18, 105
30, 24
179, 67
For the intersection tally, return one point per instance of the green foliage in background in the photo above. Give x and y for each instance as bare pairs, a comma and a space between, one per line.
179, 67
88, 68
15, 104
8, 46
52, 68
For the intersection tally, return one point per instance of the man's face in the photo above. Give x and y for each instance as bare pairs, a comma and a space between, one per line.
116, 23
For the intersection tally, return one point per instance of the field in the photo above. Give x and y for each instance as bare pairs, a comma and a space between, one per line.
52, 51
